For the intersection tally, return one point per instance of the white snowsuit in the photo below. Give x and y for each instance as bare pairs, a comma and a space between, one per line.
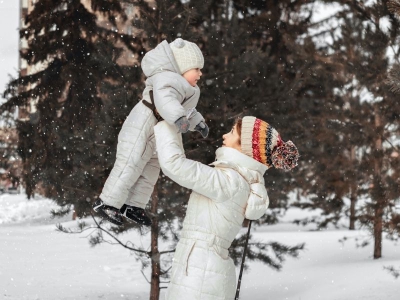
136, 168
221, 197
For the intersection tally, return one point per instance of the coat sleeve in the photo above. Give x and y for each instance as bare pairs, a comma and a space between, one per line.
168, 98
216, 184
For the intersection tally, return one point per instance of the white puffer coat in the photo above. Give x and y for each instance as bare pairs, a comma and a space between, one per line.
136, 167
215, 213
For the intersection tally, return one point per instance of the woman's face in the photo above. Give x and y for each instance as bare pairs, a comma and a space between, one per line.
232, 139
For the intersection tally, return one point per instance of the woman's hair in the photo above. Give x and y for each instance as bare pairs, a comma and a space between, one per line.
238, 124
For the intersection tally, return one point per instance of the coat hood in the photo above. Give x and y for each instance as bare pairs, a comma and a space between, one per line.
252, 171
159, 59
248, 167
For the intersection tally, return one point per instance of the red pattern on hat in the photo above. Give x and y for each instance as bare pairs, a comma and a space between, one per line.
256, 140
279, 141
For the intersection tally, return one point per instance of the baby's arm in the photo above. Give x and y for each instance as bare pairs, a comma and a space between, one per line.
168, 99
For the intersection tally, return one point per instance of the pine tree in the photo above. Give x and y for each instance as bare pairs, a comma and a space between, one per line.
260, 62
377, 117
366, 118
68, 146
331, 174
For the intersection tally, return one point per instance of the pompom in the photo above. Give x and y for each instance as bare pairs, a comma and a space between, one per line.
179, 43
285, 156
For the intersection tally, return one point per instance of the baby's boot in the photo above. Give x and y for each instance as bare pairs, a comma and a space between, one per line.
135, 214
110, 213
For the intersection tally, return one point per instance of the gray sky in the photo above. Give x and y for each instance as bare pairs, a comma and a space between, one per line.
9, 18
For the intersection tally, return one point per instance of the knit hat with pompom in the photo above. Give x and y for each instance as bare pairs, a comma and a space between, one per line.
263, 143
187, 55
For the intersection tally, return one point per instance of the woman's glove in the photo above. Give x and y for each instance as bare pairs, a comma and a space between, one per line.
257, 203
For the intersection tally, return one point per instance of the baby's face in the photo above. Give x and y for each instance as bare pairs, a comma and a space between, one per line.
192, 76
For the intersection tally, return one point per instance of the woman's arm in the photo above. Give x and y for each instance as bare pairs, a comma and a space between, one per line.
216, 184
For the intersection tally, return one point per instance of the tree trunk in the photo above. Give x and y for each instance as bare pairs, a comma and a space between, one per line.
155, 254
378, 218
353, 193
353, 200
378, 231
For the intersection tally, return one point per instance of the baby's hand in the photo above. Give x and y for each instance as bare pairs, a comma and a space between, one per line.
183, 124
202, 128
193, 121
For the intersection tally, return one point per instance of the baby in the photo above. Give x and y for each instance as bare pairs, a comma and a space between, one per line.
171, 94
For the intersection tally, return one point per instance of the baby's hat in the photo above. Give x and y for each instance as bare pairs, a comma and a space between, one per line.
187, 55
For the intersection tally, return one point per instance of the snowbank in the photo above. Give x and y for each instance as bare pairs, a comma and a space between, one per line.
17, 209
39, 263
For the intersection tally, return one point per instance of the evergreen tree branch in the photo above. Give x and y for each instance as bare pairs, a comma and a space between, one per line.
328, 31
165, 272
60, 212
393, 79
393, 146
324, 20
83, 228
359, 7
148, 253
392, 270
145, 277
63, 229
394, 7
171, 229
75, 189
396, 54
261, 252
167, 251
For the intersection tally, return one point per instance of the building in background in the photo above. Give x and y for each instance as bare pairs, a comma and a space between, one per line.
10, 162
24, 113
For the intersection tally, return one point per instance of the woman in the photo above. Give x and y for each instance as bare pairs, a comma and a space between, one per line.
222, 197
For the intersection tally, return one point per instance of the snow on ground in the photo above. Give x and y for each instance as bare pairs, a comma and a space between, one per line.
39, 263
17, 209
